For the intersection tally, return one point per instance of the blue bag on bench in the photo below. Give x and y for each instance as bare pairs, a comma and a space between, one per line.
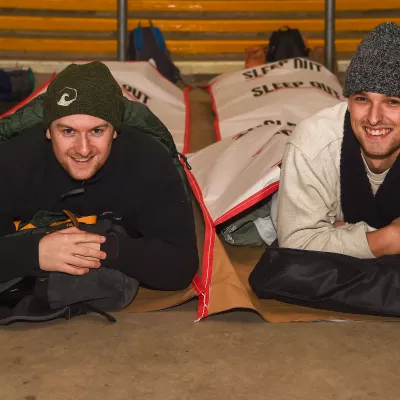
148, 44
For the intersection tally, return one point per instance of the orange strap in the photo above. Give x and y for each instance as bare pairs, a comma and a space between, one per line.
88, 220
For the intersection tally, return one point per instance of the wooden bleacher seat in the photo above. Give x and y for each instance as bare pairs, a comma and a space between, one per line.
205, 29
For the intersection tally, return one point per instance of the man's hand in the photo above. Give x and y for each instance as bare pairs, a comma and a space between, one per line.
385, 241
338, 223
71, 251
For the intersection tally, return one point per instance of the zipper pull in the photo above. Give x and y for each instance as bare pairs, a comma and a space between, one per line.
72, 193
185, 160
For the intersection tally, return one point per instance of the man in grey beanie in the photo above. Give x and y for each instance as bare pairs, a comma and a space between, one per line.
339, 189
83, 159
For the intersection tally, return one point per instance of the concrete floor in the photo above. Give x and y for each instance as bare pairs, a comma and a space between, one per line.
166, 356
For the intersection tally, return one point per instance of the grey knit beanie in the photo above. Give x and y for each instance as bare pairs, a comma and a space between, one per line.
84, 89
375, 66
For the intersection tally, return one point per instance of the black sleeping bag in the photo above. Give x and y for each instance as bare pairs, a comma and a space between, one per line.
329, 281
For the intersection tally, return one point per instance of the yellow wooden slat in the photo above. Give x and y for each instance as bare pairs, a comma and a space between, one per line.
70, 24
58, 45
175, 46
201, 6
259, 5
239, 46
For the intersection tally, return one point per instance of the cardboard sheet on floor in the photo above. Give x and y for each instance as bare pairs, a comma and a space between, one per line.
229, 289
142, 82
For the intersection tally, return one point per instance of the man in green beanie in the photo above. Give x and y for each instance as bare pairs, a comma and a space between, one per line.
339, 189
86, 161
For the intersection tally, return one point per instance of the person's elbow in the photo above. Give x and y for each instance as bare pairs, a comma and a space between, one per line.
292, 242
301, 239
323, 239
296, 244
182, 271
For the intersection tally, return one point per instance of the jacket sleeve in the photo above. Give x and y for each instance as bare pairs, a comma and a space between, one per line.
306, 209
24, 118
19, 255
165, 257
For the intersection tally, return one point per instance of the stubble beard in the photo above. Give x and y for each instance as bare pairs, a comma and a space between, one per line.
83, 174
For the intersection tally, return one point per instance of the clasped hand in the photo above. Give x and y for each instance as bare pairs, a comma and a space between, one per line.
71, 251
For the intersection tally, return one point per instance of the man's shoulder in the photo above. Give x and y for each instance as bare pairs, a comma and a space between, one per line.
139, 145
144, 160
143, 155
314, 134
23, 149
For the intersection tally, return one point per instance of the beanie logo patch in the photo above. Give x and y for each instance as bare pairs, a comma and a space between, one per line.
69, 95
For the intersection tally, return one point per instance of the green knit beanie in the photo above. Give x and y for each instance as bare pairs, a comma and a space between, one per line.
84, 89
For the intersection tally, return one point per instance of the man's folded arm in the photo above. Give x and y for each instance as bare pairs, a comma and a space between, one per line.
157, 263
306, 201
19, 256
166, 256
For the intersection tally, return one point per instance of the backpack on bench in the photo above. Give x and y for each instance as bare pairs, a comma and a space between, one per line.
148, 44
286, 43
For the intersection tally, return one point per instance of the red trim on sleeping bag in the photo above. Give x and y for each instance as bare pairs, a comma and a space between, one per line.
202, 286
251, 201
208, 252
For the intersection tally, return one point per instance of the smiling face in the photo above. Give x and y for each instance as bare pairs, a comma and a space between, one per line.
375, 119
81, 144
